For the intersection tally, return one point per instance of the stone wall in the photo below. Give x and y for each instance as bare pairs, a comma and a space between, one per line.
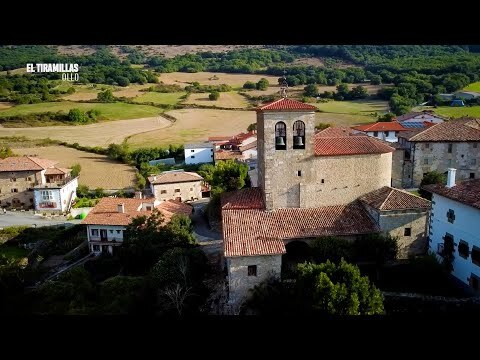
238, 280
188, 190
24, 180
397, 168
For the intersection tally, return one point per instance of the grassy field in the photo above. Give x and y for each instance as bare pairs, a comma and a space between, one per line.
207, 78
97, 170
113, 111
455, 112
100, 134
227, 99
196, 125
13, 251
473, 87
348, 113
160, 98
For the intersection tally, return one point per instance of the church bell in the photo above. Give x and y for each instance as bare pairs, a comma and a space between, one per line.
279, 141
298, 141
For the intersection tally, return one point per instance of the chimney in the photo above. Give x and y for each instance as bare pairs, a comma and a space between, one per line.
138, 194
121, 208
451, 177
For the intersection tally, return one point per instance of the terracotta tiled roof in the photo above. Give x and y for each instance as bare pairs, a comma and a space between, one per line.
466, 192
407, 135
227, 155
335, 131
349, 145
249, 146
25, 163
56, 171
249, 198
454, 130
381, 126
174, 177
219, 138
409, 116
387, 198
286, 105
251, 232
106, 211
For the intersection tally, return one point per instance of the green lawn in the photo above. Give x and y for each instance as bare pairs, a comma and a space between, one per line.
113, 111
13, 251
160, 98
348, 113
473, 87
456, 112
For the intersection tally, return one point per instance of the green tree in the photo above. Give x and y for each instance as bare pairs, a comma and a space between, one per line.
331, 248
76, 168
252, 127
375, 79
337, 289
106, 96
432, 177
5, 152
310, 90
358, 92
123, 81
262, 84
386, 118
322, 126
214, 95
83, 191
76, 115
99, 192
225, 175
249, 85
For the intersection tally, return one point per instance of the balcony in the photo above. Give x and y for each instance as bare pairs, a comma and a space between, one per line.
54, 184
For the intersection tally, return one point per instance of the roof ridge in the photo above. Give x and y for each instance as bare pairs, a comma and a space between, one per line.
388, 196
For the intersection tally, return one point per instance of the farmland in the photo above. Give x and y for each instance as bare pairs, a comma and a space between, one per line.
97, 170
100, 134
227, 99
473, 87
113, 111
210, 78
455, 112
160, 98
196, 125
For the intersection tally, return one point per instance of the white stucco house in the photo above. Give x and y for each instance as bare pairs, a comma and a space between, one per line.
387, 131
198, 153
419, 117
455, 227
108, 220
56, 196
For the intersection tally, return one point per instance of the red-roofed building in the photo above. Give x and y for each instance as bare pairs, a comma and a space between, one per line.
382, 130
107, 221
309, 185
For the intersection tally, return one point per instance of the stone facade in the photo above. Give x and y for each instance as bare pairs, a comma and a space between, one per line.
16, 188
394, 222
430, 156
239, 280
397, 168
297, 178
191, 190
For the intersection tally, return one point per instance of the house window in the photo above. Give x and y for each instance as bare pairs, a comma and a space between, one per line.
149, 208
94, 232
46, 195
14, 190
193, 157
474, 281
396, 133
407, 232
163, 191
299, 173
450, 216
211, 150
177, 190
448, 245
191, 189
473, 161
463, 249
387, 133
375, 133
475, 145
425, 161
450, 148
323, 181
476, 255
280, 136
192, 150
96, 247
299, 135
31, 200
252, 270
111, 231
472, 175
427, 145
118, 231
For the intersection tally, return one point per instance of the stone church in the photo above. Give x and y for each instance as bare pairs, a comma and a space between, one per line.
330, 183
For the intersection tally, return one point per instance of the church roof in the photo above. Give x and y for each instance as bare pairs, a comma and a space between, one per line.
388, 198
349, 145
285, 104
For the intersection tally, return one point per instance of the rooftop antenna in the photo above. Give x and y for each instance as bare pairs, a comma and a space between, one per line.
284, 86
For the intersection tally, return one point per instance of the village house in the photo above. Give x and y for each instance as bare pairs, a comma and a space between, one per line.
241, 147
418, 119
199, 153
108, 220
455, 227
31, 182
176, 185
383, 130
452, 143
332, 183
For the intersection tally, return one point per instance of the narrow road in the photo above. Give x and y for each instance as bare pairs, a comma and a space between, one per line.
210, 241
18, 218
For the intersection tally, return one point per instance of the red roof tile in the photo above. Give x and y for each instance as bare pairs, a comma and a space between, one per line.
251, 232
349, 145
106, 211
387, 198
56, 171
249, 146
249, 198
381, 126
25, 163
466, 192
219, 138
227, 155
335, 131
454, 130
285, 104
